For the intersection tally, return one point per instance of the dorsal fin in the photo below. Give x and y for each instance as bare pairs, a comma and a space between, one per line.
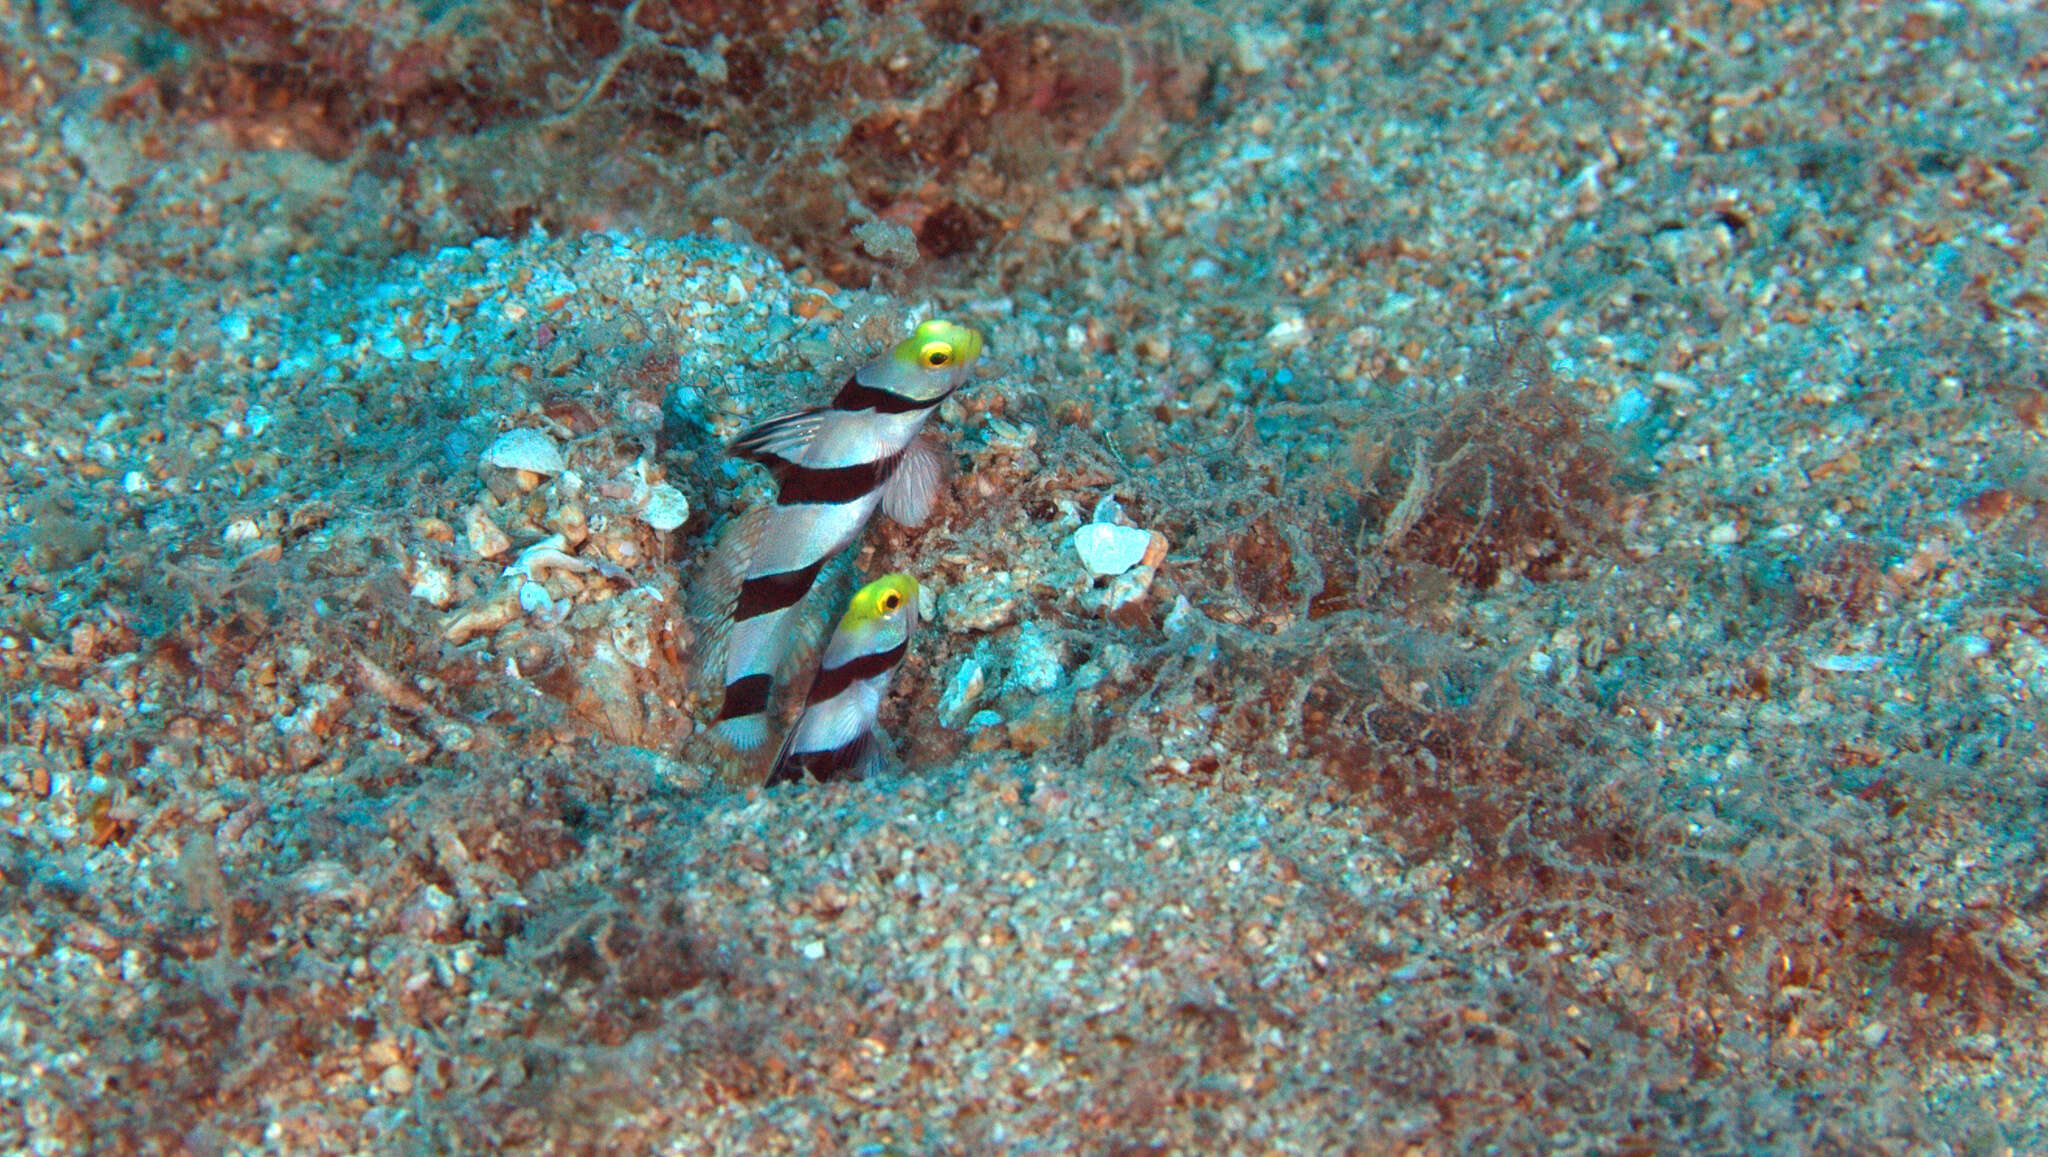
779, 770
779, 440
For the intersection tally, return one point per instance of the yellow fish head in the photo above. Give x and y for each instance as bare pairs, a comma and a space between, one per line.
938, 345
889, 597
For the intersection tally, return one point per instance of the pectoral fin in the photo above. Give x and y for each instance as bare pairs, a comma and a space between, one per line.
908, 495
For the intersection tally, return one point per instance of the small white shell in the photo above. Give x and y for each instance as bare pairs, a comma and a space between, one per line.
1108, 549
543, 556
666, 507
525, 449
482, 619
534, 600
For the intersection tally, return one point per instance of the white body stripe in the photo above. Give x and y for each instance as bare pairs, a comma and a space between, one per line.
857, 437
797, 536
841, 719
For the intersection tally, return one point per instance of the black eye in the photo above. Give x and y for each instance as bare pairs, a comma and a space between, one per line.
890, 602
937, 354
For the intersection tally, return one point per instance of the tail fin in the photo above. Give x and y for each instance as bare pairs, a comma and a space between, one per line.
717, 589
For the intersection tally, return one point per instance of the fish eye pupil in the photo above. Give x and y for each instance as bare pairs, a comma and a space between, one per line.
937, 354
889, 602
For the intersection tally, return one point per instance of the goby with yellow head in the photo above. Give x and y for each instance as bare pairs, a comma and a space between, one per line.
835, 736
833, 465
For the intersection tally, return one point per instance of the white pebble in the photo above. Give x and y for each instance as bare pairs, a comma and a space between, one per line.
1128, 589
484, 536
666, 507
1107, 549
1287, 333
525, 449
396, 1080
431, 582
1038, 662
962, 693
981, 604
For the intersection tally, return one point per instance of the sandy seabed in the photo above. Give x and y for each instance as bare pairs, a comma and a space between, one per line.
1588, 702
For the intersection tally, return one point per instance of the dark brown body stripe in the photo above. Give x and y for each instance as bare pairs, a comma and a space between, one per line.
854, 396
828, 485
832, 680
824, 766
774, 592
748, 696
